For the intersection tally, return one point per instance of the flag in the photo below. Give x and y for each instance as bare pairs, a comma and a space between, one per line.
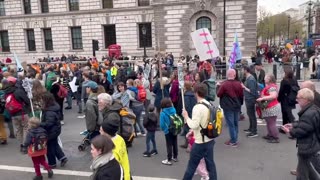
19, 66
204, 44
235, 52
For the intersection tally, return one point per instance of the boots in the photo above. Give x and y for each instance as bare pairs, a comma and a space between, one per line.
50, 173
185, 145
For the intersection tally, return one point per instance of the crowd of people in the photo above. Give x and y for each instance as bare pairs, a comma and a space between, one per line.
34, 99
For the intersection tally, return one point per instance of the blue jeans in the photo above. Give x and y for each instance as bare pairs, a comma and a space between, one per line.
69, 98
232, 119
199, 151
137, 110
151, 138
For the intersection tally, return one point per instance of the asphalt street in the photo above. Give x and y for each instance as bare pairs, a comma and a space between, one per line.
254, 159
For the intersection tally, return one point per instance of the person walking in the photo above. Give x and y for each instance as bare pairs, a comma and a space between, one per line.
231, 99
203, 146
150, 123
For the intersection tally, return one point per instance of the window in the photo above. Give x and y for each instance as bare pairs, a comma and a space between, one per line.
107, 4
47, 39
31, 40
204, 22
143, 2
76, 38
145, 40
109, 35
44, 6
74, 5
4, 41
2, 8
27, 6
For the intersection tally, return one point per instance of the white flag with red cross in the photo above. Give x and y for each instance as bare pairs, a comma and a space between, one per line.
204, 44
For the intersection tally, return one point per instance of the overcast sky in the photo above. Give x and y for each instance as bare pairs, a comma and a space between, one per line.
277, 6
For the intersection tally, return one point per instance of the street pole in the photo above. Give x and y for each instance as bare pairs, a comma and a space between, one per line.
309, 20
288, 27
224, 29
144, 47
274, 34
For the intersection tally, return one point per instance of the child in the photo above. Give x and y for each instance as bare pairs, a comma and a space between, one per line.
150, 123
36, 141
201, 169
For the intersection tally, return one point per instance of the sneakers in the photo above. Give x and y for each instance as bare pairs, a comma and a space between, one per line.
293, 172
154, 152
50, 173
84, 133
62, 122
166, 162
4, 142
139, 133
146, 154
81, 117
175, 159
229, 143
205, 178
68, 108
267, 137
144, 135
63, 162
247, 131
273, 140
252, 135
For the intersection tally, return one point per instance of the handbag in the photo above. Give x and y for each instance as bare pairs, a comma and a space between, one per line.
263, 104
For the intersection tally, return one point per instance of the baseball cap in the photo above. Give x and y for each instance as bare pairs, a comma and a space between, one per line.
11, 79
92, 85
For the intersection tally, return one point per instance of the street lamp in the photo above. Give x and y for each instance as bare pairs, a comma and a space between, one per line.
288, 27
309, 19
296, 34
144, 33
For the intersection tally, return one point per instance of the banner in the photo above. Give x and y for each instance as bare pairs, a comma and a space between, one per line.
181, 81
19, 66
204, 44
235, 52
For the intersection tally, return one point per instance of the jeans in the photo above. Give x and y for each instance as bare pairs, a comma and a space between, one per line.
306, 169
69, 98
21, 124
251, 112
137, 110
54, 150
199, 151
151, 138
172, 146
272, 126
232, 118
36, 164
3, 132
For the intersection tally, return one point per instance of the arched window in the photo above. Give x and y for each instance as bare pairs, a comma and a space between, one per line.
203, 22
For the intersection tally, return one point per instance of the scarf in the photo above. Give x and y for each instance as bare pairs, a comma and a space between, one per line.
99, 162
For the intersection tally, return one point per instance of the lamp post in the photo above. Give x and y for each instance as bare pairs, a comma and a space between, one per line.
296, 34
309, 19
224, 29
144, 33
289, 27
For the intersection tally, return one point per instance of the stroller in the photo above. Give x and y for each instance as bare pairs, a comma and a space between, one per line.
86, 141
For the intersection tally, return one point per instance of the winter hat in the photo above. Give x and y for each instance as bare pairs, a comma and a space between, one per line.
110, 127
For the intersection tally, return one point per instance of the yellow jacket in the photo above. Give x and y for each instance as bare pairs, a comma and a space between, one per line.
114, 71
121, 154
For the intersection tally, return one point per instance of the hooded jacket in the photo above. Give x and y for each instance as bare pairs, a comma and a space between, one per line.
51, 121
92, 113
165, 119
20, 95
150, 122
158, 92
112, 113
32, 133
133, 93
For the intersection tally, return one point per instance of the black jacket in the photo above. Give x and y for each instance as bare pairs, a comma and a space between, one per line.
51, 121
260, 79
150, 122
285, 88
21, 96
189, 101
112, 113
307, 130
109, 171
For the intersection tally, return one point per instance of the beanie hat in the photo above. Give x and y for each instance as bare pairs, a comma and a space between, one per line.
110, 127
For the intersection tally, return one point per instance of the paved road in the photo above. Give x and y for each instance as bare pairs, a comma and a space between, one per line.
254, 158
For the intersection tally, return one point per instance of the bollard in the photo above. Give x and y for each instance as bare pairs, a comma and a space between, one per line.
275, 70
298, 70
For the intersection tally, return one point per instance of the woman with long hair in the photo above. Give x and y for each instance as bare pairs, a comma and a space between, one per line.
270, 107
37, 91
65, 80
50, 121
121, 95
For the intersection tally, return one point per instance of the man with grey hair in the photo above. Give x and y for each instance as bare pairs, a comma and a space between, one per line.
307, 133
110, 111
310, 85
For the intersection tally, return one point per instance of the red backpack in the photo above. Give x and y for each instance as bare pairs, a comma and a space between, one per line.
142, 94
63, 92
12, 105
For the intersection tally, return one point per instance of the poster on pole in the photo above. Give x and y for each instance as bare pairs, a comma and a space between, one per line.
181, 81
73, 85
147, 71
204, 44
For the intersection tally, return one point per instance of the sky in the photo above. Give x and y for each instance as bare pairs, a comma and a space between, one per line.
278, 6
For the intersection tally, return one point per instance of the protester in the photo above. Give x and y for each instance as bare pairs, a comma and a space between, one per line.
259, 73
55, 87
37, 91
311, 85
150, 123
161, 93
64, 81
104, 165
121, 95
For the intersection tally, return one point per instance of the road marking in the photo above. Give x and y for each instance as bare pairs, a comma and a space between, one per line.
69, 172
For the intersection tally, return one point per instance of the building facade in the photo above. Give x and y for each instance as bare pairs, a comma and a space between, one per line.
40, 28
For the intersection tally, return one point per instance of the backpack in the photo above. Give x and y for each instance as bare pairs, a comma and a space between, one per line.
211, 85
214, 126
127, 120
38, 145
12, 104
49, 80
292, 95
142, 94
63, 91
176, 124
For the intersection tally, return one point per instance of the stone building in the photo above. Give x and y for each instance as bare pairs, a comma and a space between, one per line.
40, 28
